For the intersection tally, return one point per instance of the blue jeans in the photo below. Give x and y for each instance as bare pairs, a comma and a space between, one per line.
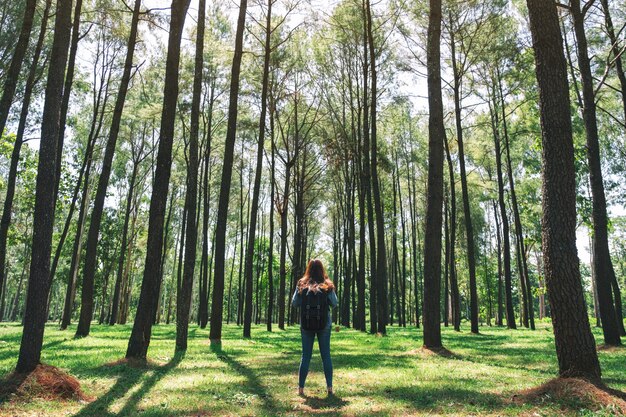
323, 339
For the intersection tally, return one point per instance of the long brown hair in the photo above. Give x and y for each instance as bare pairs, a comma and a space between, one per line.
315, 278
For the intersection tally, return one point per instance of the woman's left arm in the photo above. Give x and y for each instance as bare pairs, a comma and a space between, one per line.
332, 299
296, 300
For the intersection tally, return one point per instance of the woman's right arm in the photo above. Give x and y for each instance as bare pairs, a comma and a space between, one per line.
332, 299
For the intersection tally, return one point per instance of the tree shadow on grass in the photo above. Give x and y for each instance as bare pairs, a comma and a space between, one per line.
613, 381
611, 391
129, 377
254, 383
489, 361
421, 398
439, 351
329, 403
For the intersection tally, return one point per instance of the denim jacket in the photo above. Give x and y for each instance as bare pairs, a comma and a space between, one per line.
296, 301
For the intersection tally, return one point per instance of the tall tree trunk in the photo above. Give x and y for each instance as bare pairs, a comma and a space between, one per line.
70, 293
381, 255
366, 178
350, 257
446, 262
5, 222
67, 88
84, 180
575, 345
270, 263
284, 211
181, 252
499, 248
203, 306
436, 139
100, 104
404, 244
39, 279
299, 245
13, 312
594, 290
165, 250
467, 214
542, 288
602, 256
15, 67
230, 279
105, 287
414, 240
454, 284
396, 257
91, 251
242, 232
113, 317
523, 290
254, 208
510, 313
617, 295
516, 216
142, 327
3, 298
361, 315
227, 170
183, 299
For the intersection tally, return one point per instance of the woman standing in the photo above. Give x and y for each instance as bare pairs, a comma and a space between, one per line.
315, 294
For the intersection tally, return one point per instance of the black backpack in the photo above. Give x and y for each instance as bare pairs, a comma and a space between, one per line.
314, 310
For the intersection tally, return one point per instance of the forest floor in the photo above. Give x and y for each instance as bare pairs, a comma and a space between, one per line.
483, 375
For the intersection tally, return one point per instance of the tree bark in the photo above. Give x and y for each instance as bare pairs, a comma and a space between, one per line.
142, 327
39, 279
100, 104
396, 256
70, 294
404, 245
5, 222
381, 254
254, 207
67, 88
499, 249
15, 67
575, 345
270, 263
516, 215
113, 317
469, 228
203, 307
183, 299
602, 256
222, 213
455, 299
436, 139
360, 321
506, 247
91, 250
366, 178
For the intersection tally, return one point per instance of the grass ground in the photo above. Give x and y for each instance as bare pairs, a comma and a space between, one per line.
374, 376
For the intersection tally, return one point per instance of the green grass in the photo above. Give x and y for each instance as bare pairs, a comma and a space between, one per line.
374, 376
